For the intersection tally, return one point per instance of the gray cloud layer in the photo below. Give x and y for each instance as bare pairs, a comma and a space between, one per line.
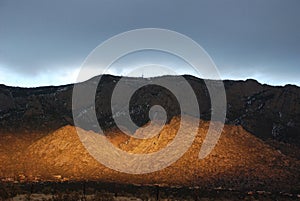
259, 39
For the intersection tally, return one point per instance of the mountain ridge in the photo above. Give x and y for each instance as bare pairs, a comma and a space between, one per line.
268, 112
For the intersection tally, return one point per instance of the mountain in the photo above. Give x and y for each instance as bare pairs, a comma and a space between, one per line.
270, 113
239, 160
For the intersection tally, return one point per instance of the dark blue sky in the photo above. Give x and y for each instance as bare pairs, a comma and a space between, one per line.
45, 42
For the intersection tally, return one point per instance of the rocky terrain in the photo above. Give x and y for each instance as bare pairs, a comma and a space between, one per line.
270, 113
258, 149
239, 161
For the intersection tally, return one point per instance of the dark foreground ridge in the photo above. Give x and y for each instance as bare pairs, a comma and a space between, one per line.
268, 112
95, 191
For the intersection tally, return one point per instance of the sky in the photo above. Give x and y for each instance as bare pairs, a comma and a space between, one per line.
46, 42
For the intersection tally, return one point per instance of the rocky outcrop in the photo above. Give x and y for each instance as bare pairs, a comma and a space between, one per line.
268, 112
238, 161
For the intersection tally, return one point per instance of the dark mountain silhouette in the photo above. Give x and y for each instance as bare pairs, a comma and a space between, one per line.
268, 112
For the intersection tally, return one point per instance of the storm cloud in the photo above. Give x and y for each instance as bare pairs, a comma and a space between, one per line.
45, 42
